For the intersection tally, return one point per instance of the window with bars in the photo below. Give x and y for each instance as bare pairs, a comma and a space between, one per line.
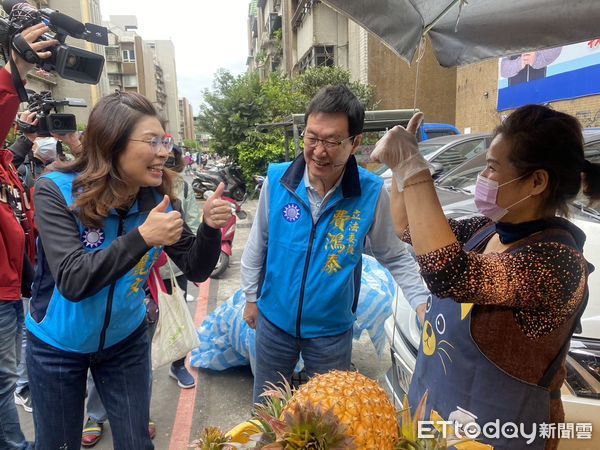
318, 55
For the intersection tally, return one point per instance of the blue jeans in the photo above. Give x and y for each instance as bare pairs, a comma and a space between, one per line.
57, 380
278, 352
95, 409
11, 327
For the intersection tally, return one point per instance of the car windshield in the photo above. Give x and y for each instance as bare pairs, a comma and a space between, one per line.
424, 148
462, 180
427, 149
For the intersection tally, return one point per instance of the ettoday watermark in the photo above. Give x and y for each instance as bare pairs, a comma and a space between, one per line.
430, 429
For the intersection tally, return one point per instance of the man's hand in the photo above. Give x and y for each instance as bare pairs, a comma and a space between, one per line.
71, 139
31, 35
216, 212
250, 315
161, 227
421, 312
29, 118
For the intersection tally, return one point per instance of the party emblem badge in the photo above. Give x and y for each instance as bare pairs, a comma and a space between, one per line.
92, 237
291, 212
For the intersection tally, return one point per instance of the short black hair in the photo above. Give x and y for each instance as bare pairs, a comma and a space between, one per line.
339, 99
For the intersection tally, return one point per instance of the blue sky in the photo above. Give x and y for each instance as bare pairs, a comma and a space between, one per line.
207, 35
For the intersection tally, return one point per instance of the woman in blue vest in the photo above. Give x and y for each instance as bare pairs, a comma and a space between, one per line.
508, 287
103, 221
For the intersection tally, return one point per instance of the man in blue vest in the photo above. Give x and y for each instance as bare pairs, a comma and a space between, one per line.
315, 216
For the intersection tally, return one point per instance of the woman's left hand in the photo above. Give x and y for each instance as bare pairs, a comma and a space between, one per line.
216, 212
399, 150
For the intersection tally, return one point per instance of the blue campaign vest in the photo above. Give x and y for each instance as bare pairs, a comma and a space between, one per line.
76, 326
312, 276
462, 383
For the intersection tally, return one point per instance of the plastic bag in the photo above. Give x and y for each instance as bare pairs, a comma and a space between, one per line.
175, 333
227, 341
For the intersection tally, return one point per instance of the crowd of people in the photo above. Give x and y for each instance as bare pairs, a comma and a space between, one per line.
81, 236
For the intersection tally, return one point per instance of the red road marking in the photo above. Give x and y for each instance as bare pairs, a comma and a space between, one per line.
182, 427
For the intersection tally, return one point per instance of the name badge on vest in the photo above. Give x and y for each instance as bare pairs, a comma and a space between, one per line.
92, 237
291, 212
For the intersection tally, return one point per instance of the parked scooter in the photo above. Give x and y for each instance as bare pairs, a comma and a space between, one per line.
227, 234
235, 186
258, 182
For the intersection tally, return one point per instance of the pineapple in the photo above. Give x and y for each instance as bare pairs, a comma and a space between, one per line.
309, 429
359, 404
212, 438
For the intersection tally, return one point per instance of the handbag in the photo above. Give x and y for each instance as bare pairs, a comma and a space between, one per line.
175, 333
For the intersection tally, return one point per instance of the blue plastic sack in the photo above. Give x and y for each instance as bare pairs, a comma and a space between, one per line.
227, 341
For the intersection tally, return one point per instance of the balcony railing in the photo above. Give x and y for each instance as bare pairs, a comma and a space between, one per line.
304, 7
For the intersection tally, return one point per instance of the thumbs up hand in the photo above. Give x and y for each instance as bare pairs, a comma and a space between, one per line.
399, 150
161, 227
217, 211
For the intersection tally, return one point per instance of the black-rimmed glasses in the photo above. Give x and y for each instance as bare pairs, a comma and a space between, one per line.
313, 141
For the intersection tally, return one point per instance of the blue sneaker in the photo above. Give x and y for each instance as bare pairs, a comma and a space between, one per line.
185, 380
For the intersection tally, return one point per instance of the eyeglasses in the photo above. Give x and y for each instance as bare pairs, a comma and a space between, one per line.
156, 143
312, 141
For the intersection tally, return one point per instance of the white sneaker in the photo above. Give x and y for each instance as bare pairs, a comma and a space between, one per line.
23, 399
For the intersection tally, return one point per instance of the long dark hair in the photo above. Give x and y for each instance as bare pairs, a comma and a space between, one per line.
99, 186
542, 138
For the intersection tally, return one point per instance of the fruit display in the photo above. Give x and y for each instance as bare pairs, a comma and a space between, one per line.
333, 411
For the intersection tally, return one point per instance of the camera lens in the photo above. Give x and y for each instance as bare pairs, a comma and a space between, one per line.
72, 61
57, 124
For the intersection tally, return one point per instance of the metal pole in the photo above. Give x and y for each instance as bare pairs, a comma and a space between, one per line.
296, 140
287, 146
442, 14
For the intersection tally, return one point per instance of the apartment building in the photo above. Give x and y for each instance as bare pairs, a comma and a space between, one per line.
186, 115
144, 66
265, 36
293, 35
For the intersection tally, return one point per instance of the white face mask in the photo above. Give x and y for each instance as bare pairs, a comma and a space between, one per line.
46, 149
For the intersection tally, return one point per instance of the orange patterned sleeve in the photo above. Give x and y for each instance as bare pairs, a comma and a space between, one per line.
543, 281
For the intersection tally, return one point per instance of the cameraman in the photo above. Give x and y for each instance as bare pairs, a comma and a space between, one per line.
17, 246
32, 153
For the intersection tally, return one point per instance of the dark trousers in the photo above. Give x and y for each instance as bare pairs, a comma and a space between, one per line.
57, 380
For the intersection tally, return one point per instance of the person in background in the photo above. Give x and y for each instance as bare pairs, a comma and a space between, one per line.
509, 286
191, 215
103, 220
32, 155
17, 246
528, 66
315, 217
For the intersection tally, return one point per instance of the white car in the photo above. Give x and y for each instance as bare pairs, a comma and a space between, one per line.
581, 390
445, 153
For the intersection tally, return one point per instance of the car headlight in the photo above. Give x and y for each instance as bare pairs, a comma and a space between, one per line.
583, 368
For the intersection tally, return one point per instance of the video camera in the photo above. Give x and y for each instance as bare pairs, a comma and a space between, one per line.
43, 104
70, 63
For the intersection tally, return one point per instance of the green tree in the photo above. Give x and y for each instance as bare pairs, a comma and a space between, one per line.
236, 104
190, 143
314, 78
231, 109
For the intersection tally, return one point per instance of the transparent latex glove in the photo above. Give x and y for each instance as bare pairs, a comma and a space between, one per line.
399, 150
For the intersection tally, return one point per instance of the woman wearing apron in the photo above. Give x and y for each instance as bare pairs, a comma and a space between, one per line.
507, 288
